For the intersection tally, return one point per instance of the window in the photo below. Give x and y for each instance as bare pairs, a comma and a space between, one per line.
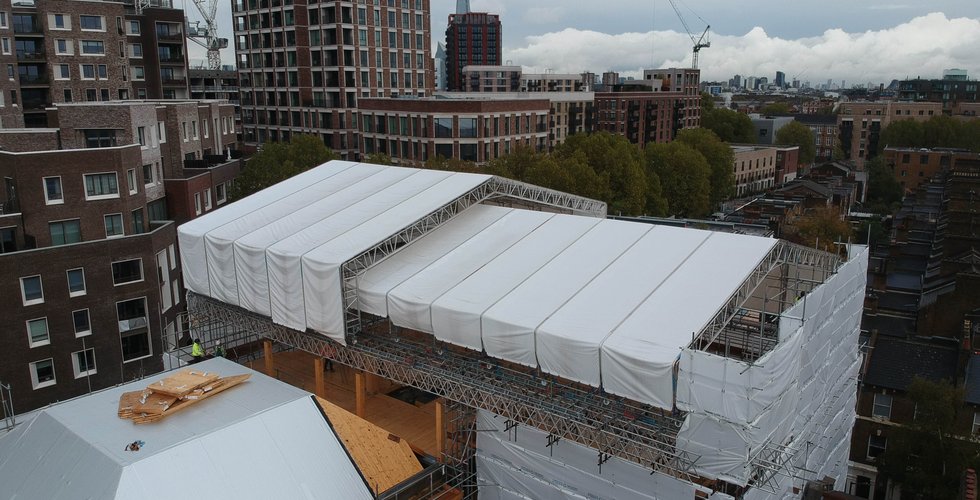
114, 225
103, 71
100, 138
91, 95
91, 23
5, 45
876, 446
8, 239
138, 73
207, 199
197, 203
63, 72
161, 132
136, 50
3, 20
134, 27
76, 282
62, 47
92, 47
101, 186
52, 191
83, 362
31, 290
976, 422
138, 221
65, 232
42, 373
88, 71
131, 181
147, 174
127, 271
194, 129
83, 325
141, 135
133, 329
37, 332
219, 193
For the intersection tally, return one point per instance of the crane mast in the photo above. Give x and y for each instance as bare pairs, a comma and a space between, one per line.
208, 33
701, 42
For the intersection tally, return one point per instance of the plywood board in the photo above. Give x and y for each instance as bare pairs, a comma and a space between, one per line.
154, 403
182, 383
383, 458
126, 403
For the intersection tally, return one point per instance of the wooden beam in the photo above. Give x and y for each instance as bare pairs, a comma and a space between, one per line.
360, 396
373, 383
321, 387
269, 368
440, 429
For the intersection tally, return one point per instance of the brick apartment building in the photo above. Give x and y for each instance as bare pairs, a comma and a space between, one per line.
859, 124
825, 136
755, 168
304, 66
652, 110
88, 219
912, 167
472, 38
952, 90
61, 51
411, 131
483, 78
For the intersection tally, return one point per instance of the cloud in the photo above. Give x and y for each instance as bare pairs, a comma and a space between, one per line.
543, 15
923, 46
890, 7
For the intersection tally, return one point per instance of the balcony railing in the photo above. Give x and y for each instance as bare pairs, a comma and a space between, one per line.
25, 55
169, 35
33, 79
174, 81
172, 58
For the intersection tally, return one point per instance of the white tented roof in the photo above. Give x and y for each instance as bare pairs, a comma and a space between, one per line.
262, 439
602, 302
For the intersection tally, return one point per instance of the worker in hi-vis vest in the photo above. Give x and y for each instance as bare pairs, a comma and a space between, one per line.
197, 352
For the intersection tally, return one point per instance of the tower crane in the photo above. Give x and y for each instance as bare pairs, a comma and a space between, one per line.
701, 42
208, 33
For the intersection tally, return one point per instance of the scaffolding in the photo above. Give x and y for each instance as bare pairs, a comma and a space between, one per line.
7, 406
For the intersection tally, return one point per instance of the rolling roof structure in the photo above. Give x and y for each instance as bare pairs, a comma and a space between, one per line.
683, 330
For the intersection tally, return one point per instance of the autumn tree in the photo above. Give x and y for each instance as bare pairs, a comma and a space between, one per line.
378, 159
821, 228
927, 455
795, 133
730, 126
619, 165
720, 158
685, 177
278, 161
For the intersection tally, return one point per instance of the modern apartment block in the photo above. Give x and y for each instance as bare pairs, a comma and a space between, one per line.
304, 66
683, 81
650, 110
412, 131
472, 38
951, 90
755, 168
484, 78
859, 124
61, 51
88, 219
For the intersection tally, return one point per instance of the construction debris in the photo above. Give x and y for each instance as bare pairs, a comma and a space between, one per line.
172, 394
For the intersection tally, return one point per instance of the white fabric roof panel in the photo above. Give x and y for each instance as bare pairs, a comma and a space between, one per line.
568, 342
191, 233
456, 315
219, 241
321, 266
250, 249
509, 325
637, 358
409, 303
373, 286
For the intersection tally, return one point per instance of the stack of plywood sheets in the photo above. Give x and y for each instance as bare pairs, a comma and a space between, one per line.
383, 458
172, 394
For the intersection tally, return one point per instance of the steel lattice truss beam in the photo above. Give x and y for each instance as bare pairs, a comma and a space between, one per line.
493, 188
615, 426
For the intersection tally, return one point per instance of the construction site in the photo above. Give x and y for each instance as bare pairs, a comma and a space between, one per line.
567, 354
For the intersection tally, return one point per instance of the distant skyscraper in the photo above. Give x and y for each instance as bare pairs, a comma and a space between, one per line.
472, 38
780, 79
462, 6
737, 81
440, 69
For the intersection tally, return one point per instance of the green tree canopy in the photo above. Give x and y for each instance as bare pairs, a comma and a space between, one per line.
795, 133
925, 456
684, 175
884, 191
720, 158
707, 102
378, 159
730, 126
279, 161
937, 132
619, 165
776, 109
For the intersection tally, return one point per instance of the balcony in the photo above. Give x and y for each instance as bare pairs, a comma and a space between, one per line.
33, 80
175, 36
172, 58
27, 28
27, 56
171, 82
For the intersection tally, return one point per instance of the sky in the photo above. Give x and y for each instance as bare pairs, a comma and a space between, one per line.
857, 41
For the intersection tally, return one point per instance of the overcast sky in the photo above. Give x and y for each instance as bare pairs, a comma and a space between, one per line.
858, 41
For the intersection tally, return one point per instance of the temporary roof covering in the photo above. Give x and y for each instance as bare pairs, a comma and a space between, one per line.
263, 439
603, 302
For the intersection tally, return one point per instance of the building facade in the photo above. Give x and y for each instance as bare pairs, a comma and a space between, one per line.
859, 124
686, 82
754, 168
472, 38
412, 131
88, 231
824, 128
77, 51
912, 167
304, 66
644, 112
950, 91
482, 78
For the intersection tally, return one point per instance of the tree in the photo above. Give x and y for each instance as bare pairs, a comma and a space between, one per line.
720, 158
925, 456
776, 109
884, 191
730, 126
378, 159
821, 228
439, 162
902, 133
795, 133
278, 161
707, 102
685, 177
619, 165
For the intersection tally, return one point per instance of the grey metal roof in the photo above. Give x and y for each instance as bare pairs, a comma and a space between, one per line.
972, 389
895, 362
263, 439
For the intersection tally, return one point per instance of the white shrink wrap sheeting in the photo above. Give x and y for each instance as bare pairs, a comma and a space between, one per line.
321, 266
409, 303
193, 256
456, 314
509, 325
638, 357
373, 286
568, 342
